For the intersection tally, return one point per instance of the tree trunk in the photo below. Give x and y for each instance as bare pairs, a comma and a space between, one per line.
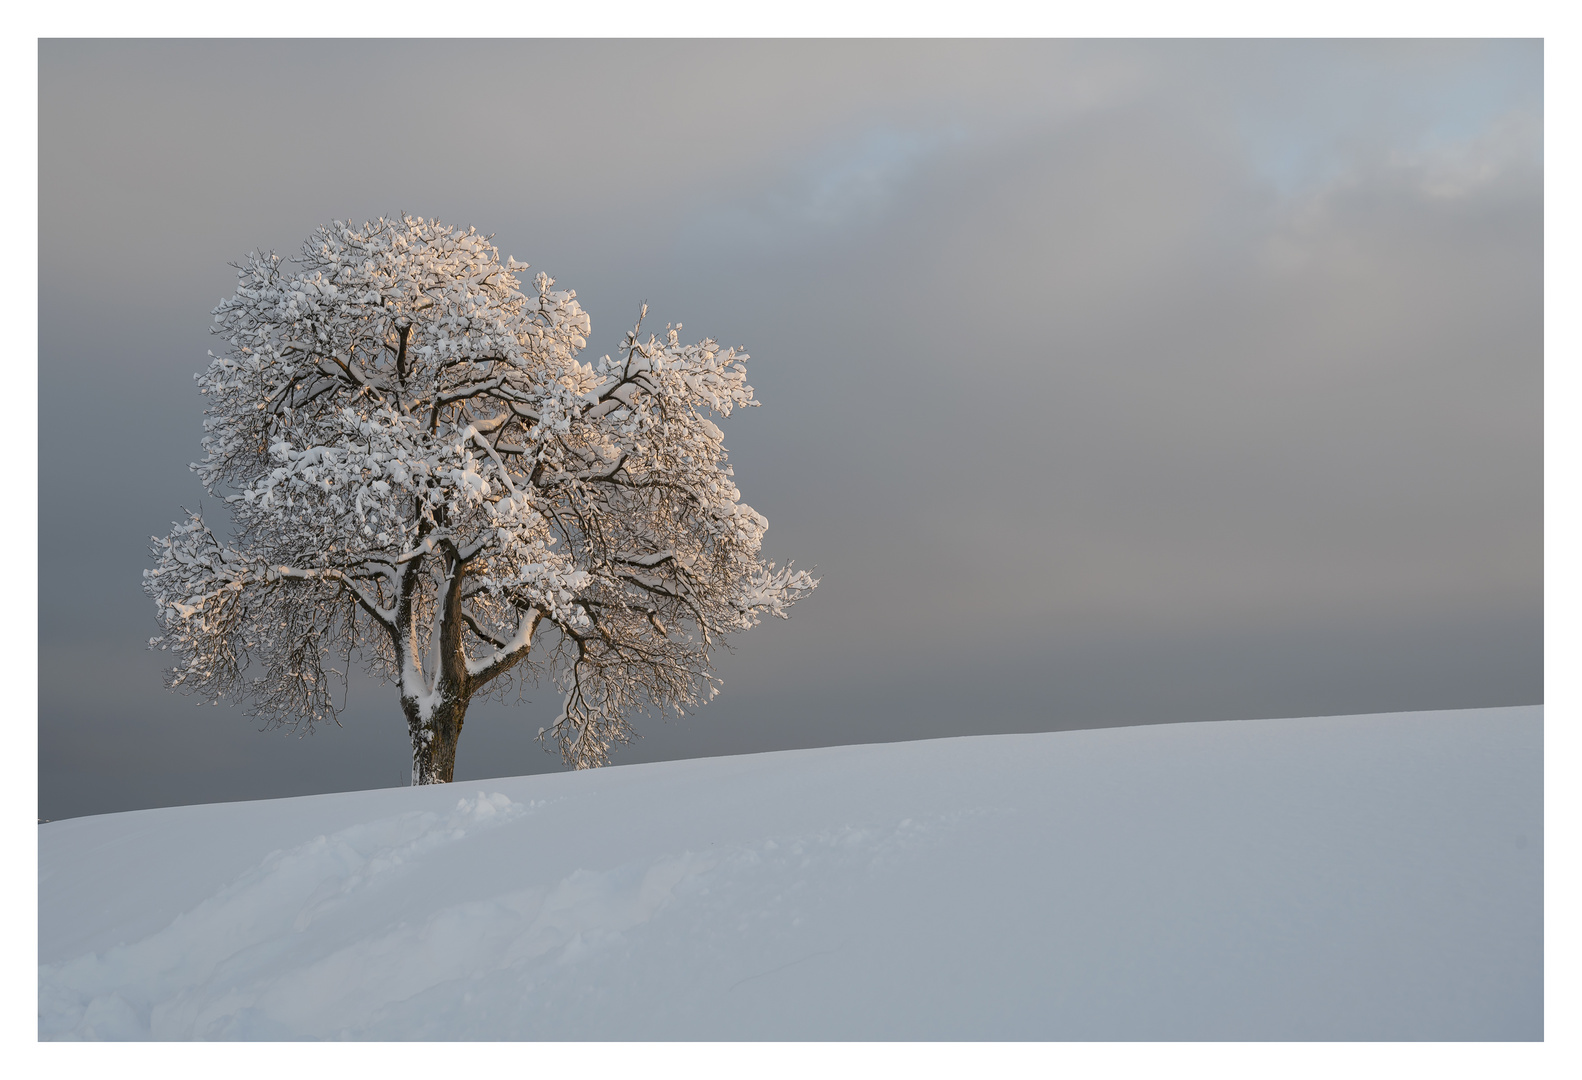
434, 741
434, 736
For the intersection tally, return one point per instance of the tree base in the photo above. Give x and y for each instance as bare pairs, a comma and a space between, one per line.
434, 745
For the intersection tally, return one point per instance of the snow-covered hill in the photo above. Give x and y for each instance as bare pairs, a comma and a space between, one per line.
1369, 877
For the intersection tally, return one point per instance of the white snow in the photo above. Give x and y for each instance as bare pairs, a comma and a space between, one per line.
1373, 877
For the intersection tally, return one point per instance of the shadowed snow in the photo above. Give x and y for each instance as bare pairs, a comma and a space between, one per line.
1372, 877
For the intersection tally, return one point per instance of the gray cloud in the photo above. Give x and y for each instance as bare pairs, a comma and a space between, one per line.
1103, 382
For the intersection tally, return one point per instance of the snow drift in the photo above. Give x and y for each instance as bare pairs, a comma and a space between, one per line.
1371, 877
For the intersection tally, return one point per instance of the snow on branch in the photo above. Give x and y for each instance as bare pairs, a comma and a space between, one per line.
420, 470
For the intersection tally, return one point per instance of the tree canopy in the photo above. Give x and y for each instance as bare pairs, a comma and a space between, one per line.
423, 477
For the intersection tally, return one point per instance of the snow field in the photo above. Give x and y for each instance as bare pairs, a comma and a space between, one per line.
1373, 877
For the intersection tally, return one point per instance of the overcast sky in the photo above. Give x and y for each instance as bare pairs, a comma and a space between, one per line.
1103, 383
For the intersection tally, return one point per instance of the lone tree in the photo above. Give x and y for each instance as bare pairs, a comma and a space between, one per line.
422, 475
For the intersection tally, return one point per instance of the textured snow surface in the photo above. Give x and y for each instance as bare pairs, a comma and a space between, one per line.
1371, 877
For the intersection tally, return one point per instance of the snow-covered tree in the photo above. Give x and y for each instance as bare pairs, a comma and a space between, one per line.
421, 475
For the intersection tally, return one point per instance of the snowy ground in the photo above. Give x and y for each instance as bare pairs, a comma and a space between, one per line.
1371, 877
